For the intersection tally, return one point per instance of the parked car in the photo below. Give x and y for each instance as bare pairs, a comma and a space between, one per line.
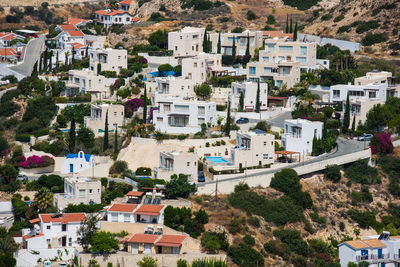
242, 121
364, 137
282, 159
201, 178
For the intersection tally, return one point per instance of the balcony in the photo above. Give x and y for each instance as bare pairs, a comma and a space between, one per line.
292, 135
374, 258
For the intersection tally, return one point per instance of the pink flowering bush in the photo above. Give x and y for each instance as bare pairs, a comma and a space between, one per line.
36, 162
381, 144
132, 105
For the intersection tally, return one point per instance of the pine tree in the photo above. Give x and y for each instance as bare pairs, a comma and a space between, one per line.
72, 136
228, 120
241, 101
346, 119
116, 140
295, 32
145, 105
291, 25
105, 143
205, 47
219, 44
353, 126
248, 46
258, 97
233, 48
287, 24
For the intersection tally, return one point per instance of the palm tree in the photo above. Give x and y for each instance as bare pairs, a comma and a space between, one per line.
44, 198
308, 97
66, 57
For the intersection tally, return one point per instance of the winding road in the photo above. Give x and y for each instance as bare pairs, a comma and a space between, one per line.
32, 53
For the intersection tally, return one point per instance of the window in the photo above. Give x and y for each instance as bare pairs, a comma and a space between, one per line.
119, 57
201, 110
160, 119
252, 70
115, 113
302, 60
64, 227
265, 156
336, 93
114, 217
90, 191
167, 107
48, 227
265, 143
265, 59
195, 64
127, 218
271, 47
82, 192
286, 48
48, 240
267, 70
180, 37
303, 50
200, 121
176, 48
181, 107
372, 94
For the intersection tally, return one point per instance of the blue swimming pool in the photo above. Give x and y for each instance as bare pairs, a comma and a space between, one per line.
64, 130
216, 159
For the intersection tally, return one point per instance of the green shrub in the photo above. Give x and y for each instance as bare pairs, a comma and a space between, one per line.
244, 256
213, 242
315, 218
332, 172
338, 18
119, 167
301, 4
365, 219
326, 17
237, 30
145, 171
377, 10
394, 46
371, 39
249, 240
294, 240
366, 26
23, 137
277, 247
344, 28
286, 181
360, 172
250, 15
254, 221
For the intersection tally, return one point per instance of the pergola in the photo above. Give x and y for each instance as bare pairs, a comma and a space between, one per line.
286, 153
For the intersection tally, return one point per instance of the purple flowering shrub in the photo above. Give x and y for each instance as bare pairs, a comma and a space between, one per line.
381, 144
35, 162
132, 106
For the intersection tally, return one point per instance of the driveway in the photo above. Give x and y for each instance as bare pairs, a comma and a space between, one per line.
32, 55
6, 90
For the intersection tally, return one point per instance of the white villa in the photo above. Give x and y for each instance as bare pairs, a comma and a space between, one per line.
249, 91
76, 163
186, 42
97, 119
109, 59
132, 213
179, 116
177, 162
338, 93
109, 17
299, 134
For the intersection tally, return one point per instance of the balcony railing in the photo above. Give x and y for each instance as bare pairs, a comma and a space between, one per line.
373, 257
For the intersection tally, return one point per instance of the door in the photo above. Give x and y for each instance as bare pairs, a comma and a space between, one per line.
364, 254
147, 249
138, 218
71, 167
380, 253
135, 248
64, 241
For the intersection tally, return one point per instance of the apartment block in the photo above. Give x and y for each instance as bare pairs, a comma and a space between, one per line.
338, 93
77, 191
359, 108
179, 116
380, 77
299, 134
175, 163
249, 91
109, 59
377, 251
253, 149
97, 118
255, 39
200, 68
172, 87
283, 72
85, 81
186, 42
281, 50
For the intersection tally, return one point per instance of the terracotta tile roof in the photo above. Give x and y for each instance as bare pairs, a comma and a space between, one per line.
34, 220
153, 210
170, 240
65, 218
78, 45
9, 37
134, 194
67, 27
75, 33
135, 19
356, 244
123, 207
75, 21
28, 237
126, 2
141, 238
111, 12
8, 52
279, 34
374, 243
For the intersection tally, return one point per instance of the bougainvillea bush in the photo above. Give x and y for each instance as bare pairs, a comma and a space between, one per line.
36, 162
132, 106
381, 144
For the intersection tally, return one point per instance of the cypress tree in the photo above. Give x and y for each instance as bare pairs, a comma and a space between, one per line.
57, 60
209, 44
295, 32
258, 97
234, 49
40, 62
353, 126
287, 24
72, 136
228, 120
346, 119
35, 69
105, 144
324, 130
87, 51
116, 140
241, 101
205, 42
291, 25
145, 105
73, 55
248, 46
219, 44
51, 60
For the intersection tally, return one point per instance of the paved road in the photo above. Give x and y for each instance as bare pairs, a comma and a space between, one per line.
5, 91
279, 120
344, 146
32, 54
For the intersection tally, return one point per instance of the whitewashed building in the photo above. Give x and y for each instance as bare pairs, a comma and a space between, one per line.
109, 17
109, 59
249, 91
338, 93
97, 118
179, 116
78, 190
299, 134
76, 163
121, 213
186, 42
176, 163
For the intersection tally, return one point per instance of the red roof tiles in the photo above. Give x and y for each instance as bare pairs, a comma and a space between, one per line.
67, 27
8, 52
75, 21
75, 33
78, 45
279, 34
153, 210
171, 240
34, 220
141, 238
111, 12
123, 207
64, 218
28, 237
134, 194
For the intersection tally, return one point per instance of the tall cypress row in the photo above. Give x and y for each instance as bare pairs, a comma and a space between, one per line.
205, 47
228, 120
145, 105
248, 46
346, 118
295, 32
258, 97
234, 48
116, 140
72, 136
287, 24
291, 25
219, 44
105, 143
